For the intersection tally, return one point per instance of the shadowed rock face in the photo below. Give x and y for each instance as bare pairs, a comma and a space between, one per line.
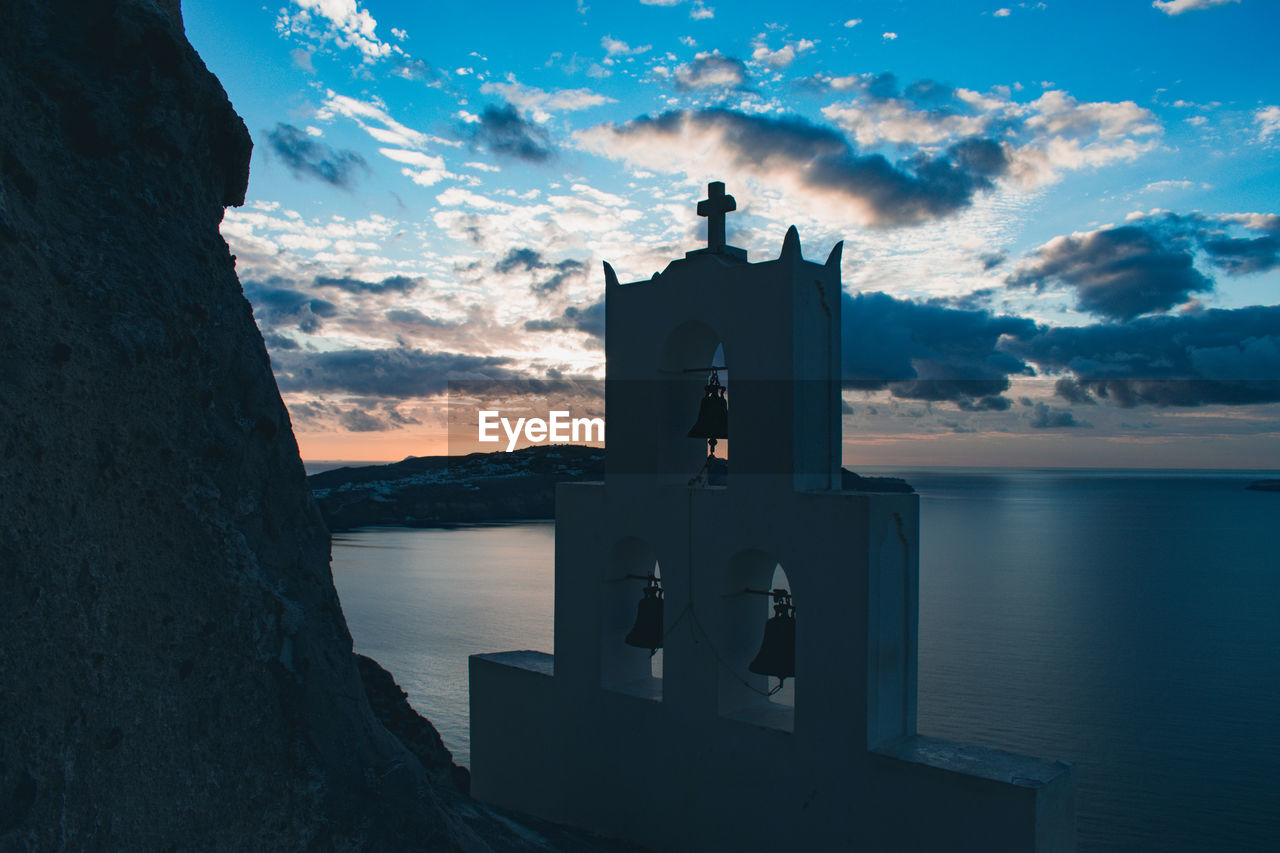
175, 670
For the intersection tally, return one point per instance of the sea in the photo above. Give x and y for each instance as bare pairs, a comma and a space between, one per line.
1127, 621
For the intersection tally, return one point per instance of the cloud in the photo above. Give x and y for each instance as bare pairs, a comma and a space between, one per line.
409, 68
797, 157
502, 130
699, 11
414, 319
889, 36
1268, 121
374, 120
1073, 392
1148, 265
852, 22
306, 157
1118, 273
276, 341
1164, 186
397, 373
542, 103
406, 145
425, 169
783, 56
530, 260
589, 320
1177, 7
302, 59
275, 305
358, 420
1002, 13
1042, 138
711, 71
391, 284
1218, 356
930, 352
1044, 416
341, 22
616, 47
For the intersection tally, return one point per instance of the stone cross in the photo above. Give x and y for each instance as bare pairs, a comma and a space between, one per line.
714, 207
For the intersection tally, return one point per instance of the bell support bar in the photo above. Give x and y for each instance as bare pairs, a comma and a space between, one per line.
776, 593
694, 370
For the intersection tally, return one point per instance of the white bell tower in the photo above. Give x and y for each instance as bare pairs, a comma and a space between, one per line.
701, 756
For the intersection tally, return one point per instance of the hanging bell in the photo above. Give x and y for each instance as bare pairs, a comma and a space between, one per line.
713, 413
646, 633
777, 655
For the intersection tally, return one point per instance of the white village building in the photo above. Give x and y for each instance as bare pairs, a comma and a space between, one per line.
699, 756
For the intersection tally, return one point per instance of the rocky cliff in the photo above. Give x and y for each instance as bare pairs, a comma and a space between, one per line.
175, 670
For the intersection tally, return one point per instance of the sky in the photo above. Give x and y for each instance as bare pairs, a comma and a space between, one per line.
1060, 219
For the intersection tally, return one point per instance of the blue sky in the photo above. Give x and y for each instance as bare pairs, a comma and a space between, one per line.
1062, 241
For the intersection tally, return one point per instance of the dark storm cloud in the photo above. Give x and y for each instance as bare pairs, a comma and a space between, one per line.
1229, 357
934, 352
930, 351
1149, 265
913, 190
589, 320
526, 259
1073, 392
1240, 255
276, 305
391, 284
532, 261
1234, 255
276, 342
502, 130
1047, 417
1119, 273
358, 420
364, 414
397, 373
711, 71
413, 318
306, 157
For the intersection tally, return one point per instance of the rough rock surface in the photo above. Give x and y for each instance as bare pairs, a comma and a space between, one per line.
391, 706
175, 669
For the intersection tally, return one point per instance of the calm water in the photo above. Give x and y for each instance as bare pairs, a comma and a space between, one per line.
1126, 621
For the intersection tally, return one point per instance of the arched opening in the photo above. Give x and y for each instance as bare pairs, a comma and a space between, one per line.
688, 356
755, 590
632, 620
787, 694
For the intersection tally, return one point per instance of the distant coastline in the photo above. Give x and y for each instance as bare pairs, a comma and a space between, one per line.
438, 491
